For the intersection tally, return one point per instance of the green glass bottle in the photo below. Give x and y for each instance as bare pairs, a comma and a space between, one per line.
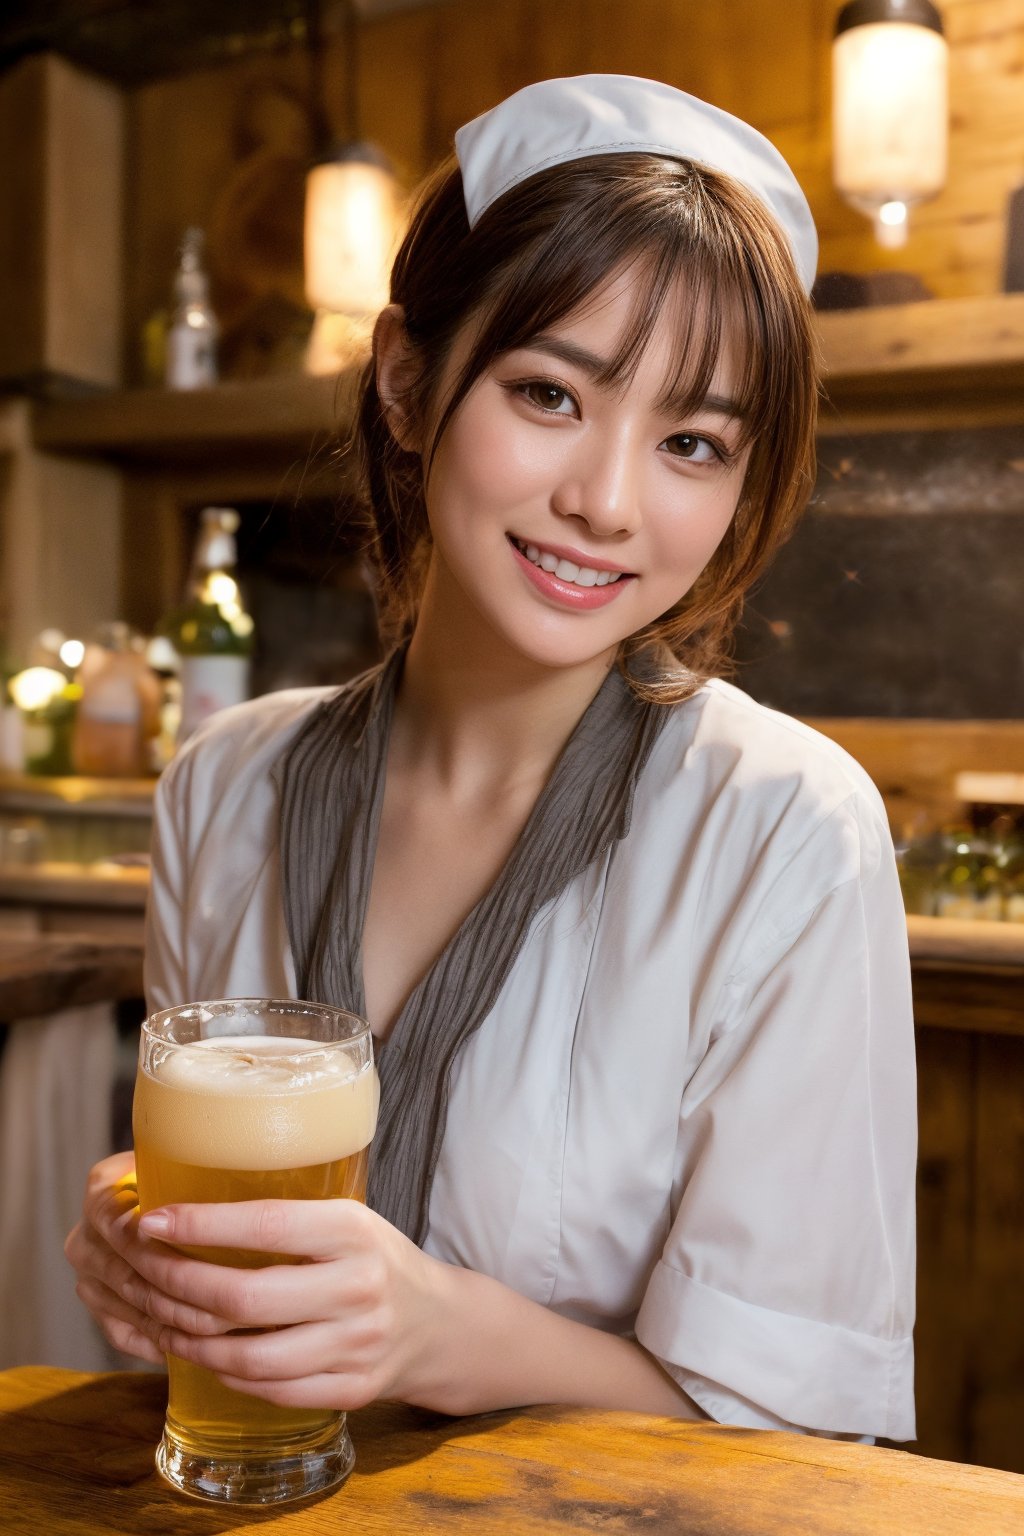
211, 632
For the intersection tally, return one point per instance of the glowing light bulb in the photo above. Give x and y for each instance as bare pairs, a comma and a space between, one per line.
222, 590
889, 109
893, 213
72, 653
36, 687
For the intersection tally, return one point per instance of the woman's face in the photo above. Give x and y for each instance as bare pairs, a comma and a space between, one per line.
567, 514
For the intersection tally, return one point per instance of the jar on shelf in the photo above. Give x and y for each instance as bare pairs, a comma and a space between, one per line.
969, 886
1013, 884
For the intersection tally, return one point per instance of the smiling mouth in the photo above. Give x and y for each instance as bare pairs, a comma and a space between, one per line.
566, 570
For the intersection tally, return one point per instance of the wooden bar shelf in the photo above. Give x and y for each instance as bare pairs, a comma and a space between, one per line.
158, 427
937, 363
887, 368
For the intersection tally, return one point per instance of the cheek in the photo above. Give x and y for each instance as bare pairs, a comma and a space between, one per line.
688, 533
486, 464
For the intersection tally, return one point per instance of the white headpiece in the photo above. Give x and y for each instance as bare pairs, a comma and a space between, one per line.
558, 120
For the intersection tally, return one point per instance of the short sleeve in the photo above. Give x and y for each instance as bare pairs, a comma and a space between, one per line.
785, 1290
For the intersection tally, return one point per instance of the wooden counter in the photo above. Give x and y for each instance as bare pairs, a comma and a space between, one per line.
100, 887
41, 975
76, 1459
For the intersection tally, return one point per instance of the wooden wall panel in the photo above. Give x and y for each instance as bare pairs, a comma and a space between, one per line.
60, 537
61, 191
998, 1359
424, 72
914, 763
943, 1335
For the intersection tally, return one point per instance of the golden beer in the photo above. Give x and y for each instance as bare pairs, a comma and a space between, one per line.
251, 1114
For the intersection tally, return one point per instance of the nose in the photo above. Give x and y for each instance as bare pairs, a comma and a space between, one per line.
601, 484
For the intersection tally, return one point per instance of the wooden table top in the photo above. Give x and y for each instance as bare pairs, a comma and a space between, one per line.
76, 1459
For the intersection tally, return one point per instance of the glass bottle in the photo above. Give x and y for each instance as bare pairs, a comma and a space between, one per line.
191, 358
118, 711
211, 632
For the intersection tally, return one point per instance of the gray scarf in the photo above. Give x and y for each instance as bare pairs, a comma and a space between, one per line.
332, 786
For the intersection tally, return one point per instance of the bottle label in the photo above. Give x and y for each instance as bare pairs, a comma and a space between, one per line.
191, 357
111, 701
210, 683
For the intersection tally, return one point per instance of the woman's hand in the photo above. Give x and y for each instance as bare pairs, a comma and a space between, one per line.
355, 1323
369, 1315
106, 1250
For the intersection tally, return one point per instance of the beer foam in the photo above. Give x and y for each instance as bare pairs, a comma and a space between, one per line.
256, 1102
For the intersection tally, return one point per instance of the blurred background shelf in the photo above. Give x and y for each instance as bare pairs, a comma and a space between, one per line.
955, 362
103, 886
286, 416
885, 368
75, 795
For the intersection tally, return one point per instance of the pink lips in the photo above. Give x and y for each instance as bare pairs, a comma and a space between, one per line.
566, 593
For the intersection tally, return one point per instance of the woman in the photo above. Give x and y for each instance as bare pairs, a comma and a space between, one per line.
631, 945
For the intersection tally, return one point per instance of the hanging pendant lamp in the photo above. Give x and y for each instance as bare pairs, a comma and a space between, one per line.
351, 219
890, 112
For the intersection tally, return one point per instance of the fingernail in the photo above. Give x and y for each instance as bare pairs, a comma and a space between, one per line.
155, 1224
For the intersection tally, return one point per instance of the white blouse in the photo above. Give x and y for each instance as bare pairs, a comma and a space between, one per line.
691, 1115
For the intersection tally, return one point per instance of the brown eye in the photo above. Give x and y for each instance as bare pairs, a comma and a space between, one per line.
687, 445
549, 397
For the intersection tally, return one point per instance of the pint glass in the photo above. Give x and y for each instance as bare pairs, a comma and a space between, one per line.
251, 1099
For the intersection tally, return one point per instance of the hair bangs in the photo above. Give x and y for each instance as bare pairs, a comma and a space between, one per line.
684, 256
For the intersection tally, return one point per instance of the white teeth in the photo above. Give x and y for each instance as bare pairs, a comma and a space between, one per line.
567, 570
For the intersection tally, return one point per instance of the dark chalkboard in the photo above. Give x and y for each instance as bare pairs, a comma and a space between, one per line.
902, 593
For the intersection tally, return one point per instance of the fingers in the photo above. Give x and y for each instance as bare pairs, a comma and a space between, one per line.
196, 1297
170, 1311
94, 1258
110, 1259
313, 1229
120, 1324
112, 1202
286, 1354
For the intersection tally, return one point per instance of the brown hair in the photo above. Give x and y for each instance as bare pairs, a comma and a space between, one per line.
532, 259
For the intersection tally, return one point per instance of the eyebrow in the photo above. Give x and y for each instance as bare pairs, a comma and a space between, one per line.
598, 367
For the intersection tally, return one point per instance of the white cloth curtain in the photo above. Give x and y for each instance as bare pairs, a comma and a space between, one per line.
56, 1080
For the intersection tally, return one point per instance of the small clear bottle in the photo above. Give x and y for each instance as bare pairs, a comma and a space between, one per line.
191, 358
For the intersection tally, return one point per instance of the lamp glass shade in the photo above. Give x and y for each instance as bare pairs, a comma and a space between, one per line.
350, 235
889, 114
